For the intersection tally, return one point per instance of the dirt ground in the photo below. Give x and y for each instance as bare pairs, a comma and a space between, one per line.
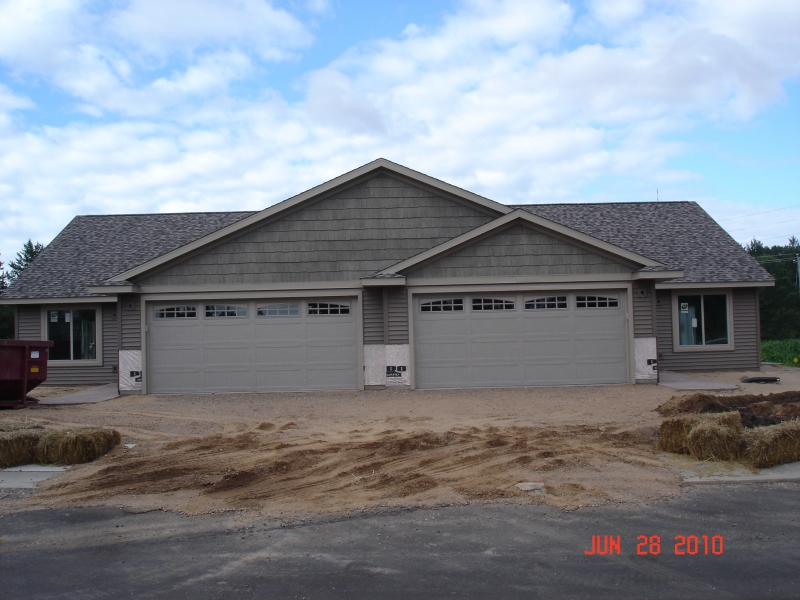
286, 454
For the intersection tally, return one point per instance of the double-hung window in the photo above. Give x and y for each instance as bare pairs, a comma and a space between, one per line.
703, 320
74, 333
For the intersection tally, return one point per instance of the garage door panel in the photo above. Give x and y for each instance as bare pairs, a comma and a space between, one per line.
228, 380
226, 355
287, 355
521, 347
535, 324
553, 347
268, 352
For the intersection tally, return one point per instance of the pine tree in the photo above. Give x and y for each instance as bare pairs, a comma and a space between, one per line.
24, 257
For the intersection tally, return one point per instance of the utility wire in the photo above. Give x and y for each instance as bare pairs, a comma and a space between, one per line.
744, 228
759, 213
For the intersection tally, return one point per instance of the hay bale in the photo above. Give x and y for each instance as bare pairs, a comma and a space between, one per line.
674, 432
73, 446
774, 445
712, 441
18, 447
18, 425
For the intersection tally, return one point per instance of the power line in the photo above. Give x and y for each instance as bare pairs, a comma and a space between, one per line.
744, 228
760, 213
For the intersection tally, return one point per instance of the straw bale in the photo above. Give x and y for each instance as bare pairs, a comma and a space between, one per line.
712, 441
673, 434
18, 425
73, 446
774, 445
18, 447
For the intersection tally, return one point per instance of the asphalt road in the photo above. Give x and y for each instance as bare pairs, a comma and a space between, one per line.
486, 551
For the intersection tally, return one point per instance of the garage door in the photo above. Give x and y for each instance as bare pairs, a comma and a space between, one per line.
505, 340
241, 346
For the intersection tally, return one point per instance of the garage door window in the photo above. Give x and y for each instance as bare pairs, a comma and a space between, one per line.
281, 309
596, 302
449, 305
225, 310
492, 304
328, 308
548, 302
177, 312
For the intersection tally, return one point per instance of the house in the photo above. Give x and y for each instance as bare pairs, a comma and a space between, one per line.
386, 276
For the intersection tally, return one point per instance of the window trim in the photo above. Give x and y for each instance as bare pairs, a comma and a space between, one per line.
98, 321
215, 308
259, 305
676, 334
343, 303
495, 298
607, 297
556, 299
460, 311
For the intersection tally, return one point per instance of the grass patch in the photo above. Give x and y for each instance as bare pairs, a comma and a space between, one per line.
781, 351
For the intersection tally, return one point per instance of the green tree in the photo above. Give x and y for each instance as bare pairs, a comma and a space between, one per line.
780, 305
24, 257
6, 312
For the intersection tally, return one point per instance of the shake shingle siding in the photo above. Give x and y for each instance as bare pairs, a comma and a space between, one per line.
681, 235
517, 251
355, 232
745, 331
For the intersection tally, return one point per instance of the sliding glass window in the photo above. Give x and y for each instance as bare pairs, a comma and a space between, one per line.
73, 333
703, 320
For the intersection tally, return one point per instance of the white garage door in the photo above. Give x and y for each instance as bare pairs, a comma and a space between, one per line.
242, 346
506, 340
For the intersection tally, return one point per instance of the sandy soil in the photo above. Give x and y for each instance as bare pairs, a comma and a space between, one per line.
293, 453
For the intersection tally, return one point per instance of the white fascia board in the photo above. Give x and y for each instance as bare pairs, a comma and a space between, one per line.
657, 275
383, 281
113, 289
292, 202
522, 215
81, 300
704, 286
552, 280
249, 287
265, 295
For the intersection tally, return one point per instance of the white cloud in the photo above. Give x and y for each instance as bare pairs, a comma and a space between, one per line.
499, 98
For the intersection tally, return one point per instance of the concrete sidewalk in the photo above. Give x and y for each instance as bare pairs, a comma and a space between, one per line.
96, 394
27, 477
684, 381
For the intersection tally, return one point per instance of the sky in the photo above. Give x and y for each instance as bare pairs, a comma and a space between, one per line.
145, 106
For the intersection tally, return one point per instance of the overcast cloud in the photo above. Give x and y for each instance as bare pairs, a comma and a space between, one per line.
522, 101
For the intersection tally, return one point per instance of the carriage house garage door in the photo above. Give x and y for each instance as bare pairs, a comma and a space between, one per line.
242, 346
505, 340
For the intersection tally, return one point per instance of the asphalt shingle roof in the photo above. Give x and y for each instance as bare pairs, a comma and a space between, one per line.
91, 249
681, 235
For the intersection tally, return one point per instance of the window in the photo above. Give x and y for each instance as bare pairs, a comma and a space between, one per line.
177, 312
492, 304
73, 333
281, 309
703, 320
451, 305
596, 302
328, 308
557, 302
225, 310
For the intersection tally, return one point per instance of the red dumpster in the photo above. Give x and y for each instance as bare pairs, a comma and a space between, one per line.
23, 366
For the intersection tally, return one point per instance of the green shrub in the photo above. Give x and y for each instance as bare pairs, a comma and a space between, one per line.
781, 351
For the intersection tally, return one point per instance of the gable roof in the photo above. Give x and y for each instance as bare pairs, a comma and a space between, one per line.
529, 218
673, 236
313, 195
92, 249
679, 235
